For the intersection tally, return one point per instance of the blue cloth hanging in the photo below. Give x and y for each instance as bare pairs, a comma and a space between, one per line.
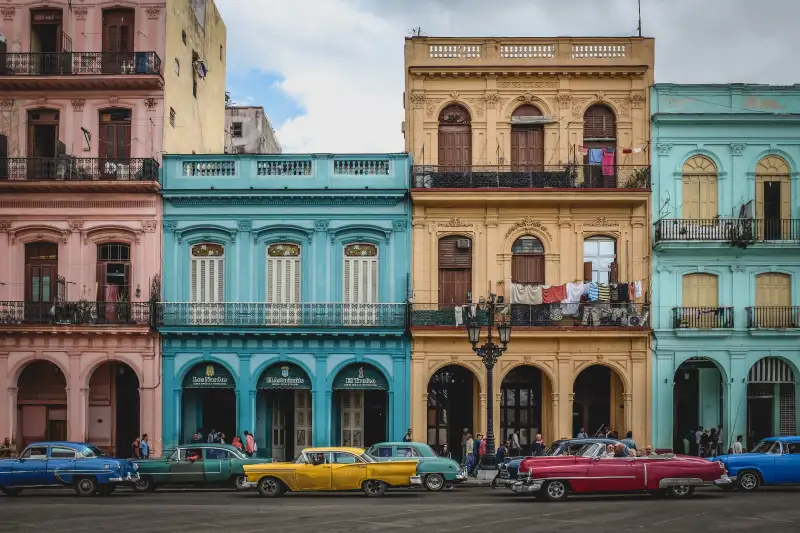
595, 156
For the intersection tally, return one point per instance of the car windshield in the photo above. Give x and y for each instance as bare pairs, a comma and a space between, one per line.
367, 459
424, 450
300, 459
768, 446
236, 453
552, 449
92, 451
590, 450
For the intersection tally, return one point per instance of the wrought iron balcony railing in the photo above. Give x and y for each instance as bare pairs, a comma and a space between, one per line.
79, 63
78, 313
564, 315
702, 317
531, 177
269, 315
728, 229
67, 168
773, 317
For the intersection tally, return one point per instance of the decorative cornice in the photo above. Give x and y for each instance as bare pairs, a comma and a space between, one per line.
417, 100
399, 225
150, 104
7, 104
637, 100
5, 226
284, 200
527, 85
564, 99
8, 12
736, 268
153, 12
77, 104
664, 148
244, 225
664, 268
491, 100
80, 12
170, 226
738, 148
321, 225
602, 222
455, 222
528, 223
149, 226
75, 225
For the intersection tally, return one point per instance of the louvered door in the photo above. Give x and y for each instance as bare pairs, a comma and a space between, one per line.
283, 290
700, 300
527, 149
455, 270
360, 287
208, 290
773, 300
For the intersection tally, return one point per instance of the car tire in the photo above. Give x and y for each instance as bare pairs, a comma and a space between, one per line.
10, 491
748, 481
106, 490
144, 484
240, 483
555, 490
680, 491
434, 482
373, 488
270, 487
85, 486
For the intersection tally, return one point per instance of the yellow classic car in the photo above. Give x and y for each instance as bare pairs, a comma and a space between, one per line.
331, 469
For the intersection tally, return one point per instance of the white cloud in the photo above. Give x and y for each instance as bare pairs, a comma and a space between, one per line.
342, 60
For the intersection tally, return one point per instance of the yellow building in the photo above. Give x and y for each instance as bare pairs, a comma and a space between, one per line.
531, 169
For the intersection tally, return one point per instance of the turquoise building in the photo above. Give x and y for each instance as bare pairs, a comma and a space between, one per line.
285, 281
726, 261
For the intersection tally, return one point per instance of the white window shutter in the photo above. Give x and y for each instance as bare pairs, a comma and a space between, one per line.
194, 274
220, 284
348, 268
271, 282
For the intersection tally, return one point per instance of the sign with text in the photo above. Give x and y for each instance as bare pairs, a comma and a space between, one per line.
209, 376
360, 377
284, 376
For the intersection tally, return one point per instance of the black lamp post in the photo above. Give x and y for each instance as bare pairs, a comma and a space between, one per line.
489, 352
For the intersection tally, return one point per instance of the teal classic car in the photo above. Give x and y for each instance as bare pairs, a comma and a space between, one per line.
196, 465
436, 472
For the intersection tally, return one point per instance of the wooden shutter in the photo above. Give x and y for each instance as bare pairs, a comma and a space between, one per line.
527, 268
700, 290
118, 27
773, 289
587, 271
360, 279
527, 148
599, 123
100, 277
455, 271
283, 280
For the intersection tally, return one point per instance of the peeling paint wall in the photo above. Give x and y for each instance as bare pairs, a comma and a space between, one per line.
257, 135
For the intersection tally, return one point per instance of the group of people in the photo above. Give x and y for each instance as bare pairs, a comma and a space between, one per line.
704, 442
473, 449
621, 450
140, 449
246, 444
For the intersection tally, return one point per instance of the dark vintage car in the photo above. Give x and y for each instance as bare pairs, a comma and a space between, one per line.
510, 467
773, 461
75, 465
591, 470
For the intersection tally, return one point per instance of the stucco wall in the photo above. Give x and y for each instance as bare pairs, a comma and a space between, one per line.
257, 136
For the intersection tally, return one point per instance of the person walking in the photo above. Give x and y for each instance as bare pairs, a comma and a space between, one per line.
476, 453
698, 434
738, 447
516, 449
687, 442
407, 437
464, 448
249, 443
144, 447
135, 450
469, 457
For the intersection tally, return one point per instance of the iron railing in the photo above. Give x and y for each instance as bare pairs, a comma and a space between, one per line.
302, 315
79, 63
531, 177
67, 168
767, 317
727, 229
702, 317
566, 315
75, 313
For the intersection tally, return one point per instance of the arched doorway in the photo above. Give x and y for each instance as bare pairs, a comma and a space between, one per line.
360, 406
598, 393
452, 403
41, 404
208, 401
522, 399
114, 408
600, 142
283, 411
527, 139
773, 199
771, 401
455, 139
698, 400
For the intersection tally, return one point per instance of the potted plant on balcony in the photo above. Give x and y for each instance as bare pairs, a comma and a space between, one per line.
122, 310
640, 179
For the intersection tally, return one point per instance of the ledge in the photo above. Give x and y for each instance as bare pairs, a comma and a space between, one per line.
536, 331
698, 332
774, 332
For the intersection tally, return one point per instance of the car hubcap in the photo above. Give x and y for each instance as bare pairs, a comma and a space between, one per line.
748, 481
240, 481
434, 482
270, 486
142, 484
85, 486
374, 486
555, 490
681, 490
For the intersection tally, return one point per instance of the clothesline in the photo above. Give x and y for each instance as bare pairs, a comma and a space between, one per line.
575, 293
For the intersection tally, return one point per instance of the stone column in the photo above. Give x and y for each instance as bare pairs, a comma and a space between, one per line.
481, 415
663, 415
77, 401
7, 416
736, 416
418, 394
627, 399
245, 269
246, 416
563, 387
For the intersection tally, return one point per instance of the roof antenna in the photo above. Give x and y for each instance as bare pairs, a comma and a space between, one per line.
416, 32
640, 17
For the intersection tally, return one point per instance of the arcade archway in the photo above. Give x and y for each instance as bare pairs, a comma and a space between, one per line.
359, 413
208, 402
41, 404
114, 408
522, 411
452, 402
771, 401
283, 411
698, 401
598, 401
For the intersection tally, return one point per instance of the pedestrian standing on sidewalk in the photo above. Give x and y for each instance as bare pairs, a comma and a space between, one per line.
538, 445
249, 443
582, 434
446, 452
481, 452
137, 452
144, 446
464, 448
737, 447
407, 437
516, 449
236, 442
469, 457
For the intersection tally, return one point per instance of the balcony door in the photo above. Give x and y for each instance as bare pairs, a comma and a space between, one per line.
113, 282
360, 284
42, 143
599, 143
207, 283
47, 42
115, 144
118, 34
283, 284
455, 139
455, 270
700, 301
527, 140
41, 280
773, 198
773, 301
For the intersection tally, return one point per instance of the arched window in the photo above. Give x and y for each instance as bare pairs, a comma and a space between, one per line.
773, 198
600, 260
600, 140
527, 261
699, 188
113, 272
527, 139
455, 139
208, 273
455, 269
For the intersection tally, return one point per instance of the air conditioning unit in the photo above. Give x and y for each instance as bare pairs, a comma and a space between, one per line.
463, 244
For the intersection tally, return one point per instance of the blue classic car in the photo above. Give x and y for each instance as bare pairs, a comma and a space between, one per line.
79, 466
437, 472
773, 461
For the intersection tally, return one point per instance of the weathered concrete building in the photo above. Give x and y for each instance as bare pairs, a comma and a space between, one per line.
248, 131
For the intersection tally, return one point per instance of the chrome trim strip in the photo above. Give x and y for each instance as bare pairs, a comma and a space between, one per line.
645, 475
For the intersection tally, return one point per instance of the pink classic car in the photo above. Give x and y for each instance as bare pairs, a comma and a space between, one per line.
589, 470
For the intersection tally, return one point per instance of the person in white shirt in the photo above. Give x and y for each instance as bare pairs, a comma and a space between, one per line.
737, 446
697, 436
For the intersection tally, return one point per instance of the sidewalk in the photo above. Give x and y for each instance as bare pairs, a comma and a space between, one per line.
473, 482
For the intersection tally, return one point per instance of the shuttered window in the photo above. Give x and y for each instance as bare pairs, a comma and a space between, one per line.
208, 273
700, 290
455, 269
773, 289
699, 189
455, 139
601, 253
599, 123
361, 273
773, 197
283, 283
527, 261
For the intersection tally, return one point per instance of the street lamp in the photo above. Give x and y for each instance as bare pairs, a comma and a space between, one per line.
489, 352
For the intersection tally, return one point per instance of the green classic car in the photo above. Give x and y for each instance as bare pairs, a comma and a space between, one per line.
436, 472
196, 465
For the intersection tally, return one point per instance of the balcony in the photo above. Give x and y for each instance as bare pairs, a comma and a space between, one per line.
80, 70
594, 177
731, 230
702, 317
80, 313
267, 315
545, 315
773, 317
37, 174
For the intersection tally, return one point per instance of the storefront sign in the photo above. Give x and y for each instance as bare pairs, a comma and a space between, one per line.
360, 377
209, 376
284, 376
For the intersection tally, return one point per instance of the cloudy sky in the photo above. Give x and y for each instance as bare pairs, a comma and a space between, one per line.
330, 72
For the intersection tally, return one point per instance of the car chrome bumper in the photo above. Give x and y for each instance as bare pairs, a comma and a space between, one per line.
127, 479
724, 480
415, 481
522, 487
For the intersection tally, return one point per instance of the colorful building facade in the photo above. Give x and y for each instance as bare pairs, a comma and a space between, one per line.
85, 115
284, 314
510, 197
726, 261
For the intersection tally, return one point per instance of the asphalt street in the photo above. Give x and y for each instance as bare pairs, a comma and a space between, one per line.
470, 509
